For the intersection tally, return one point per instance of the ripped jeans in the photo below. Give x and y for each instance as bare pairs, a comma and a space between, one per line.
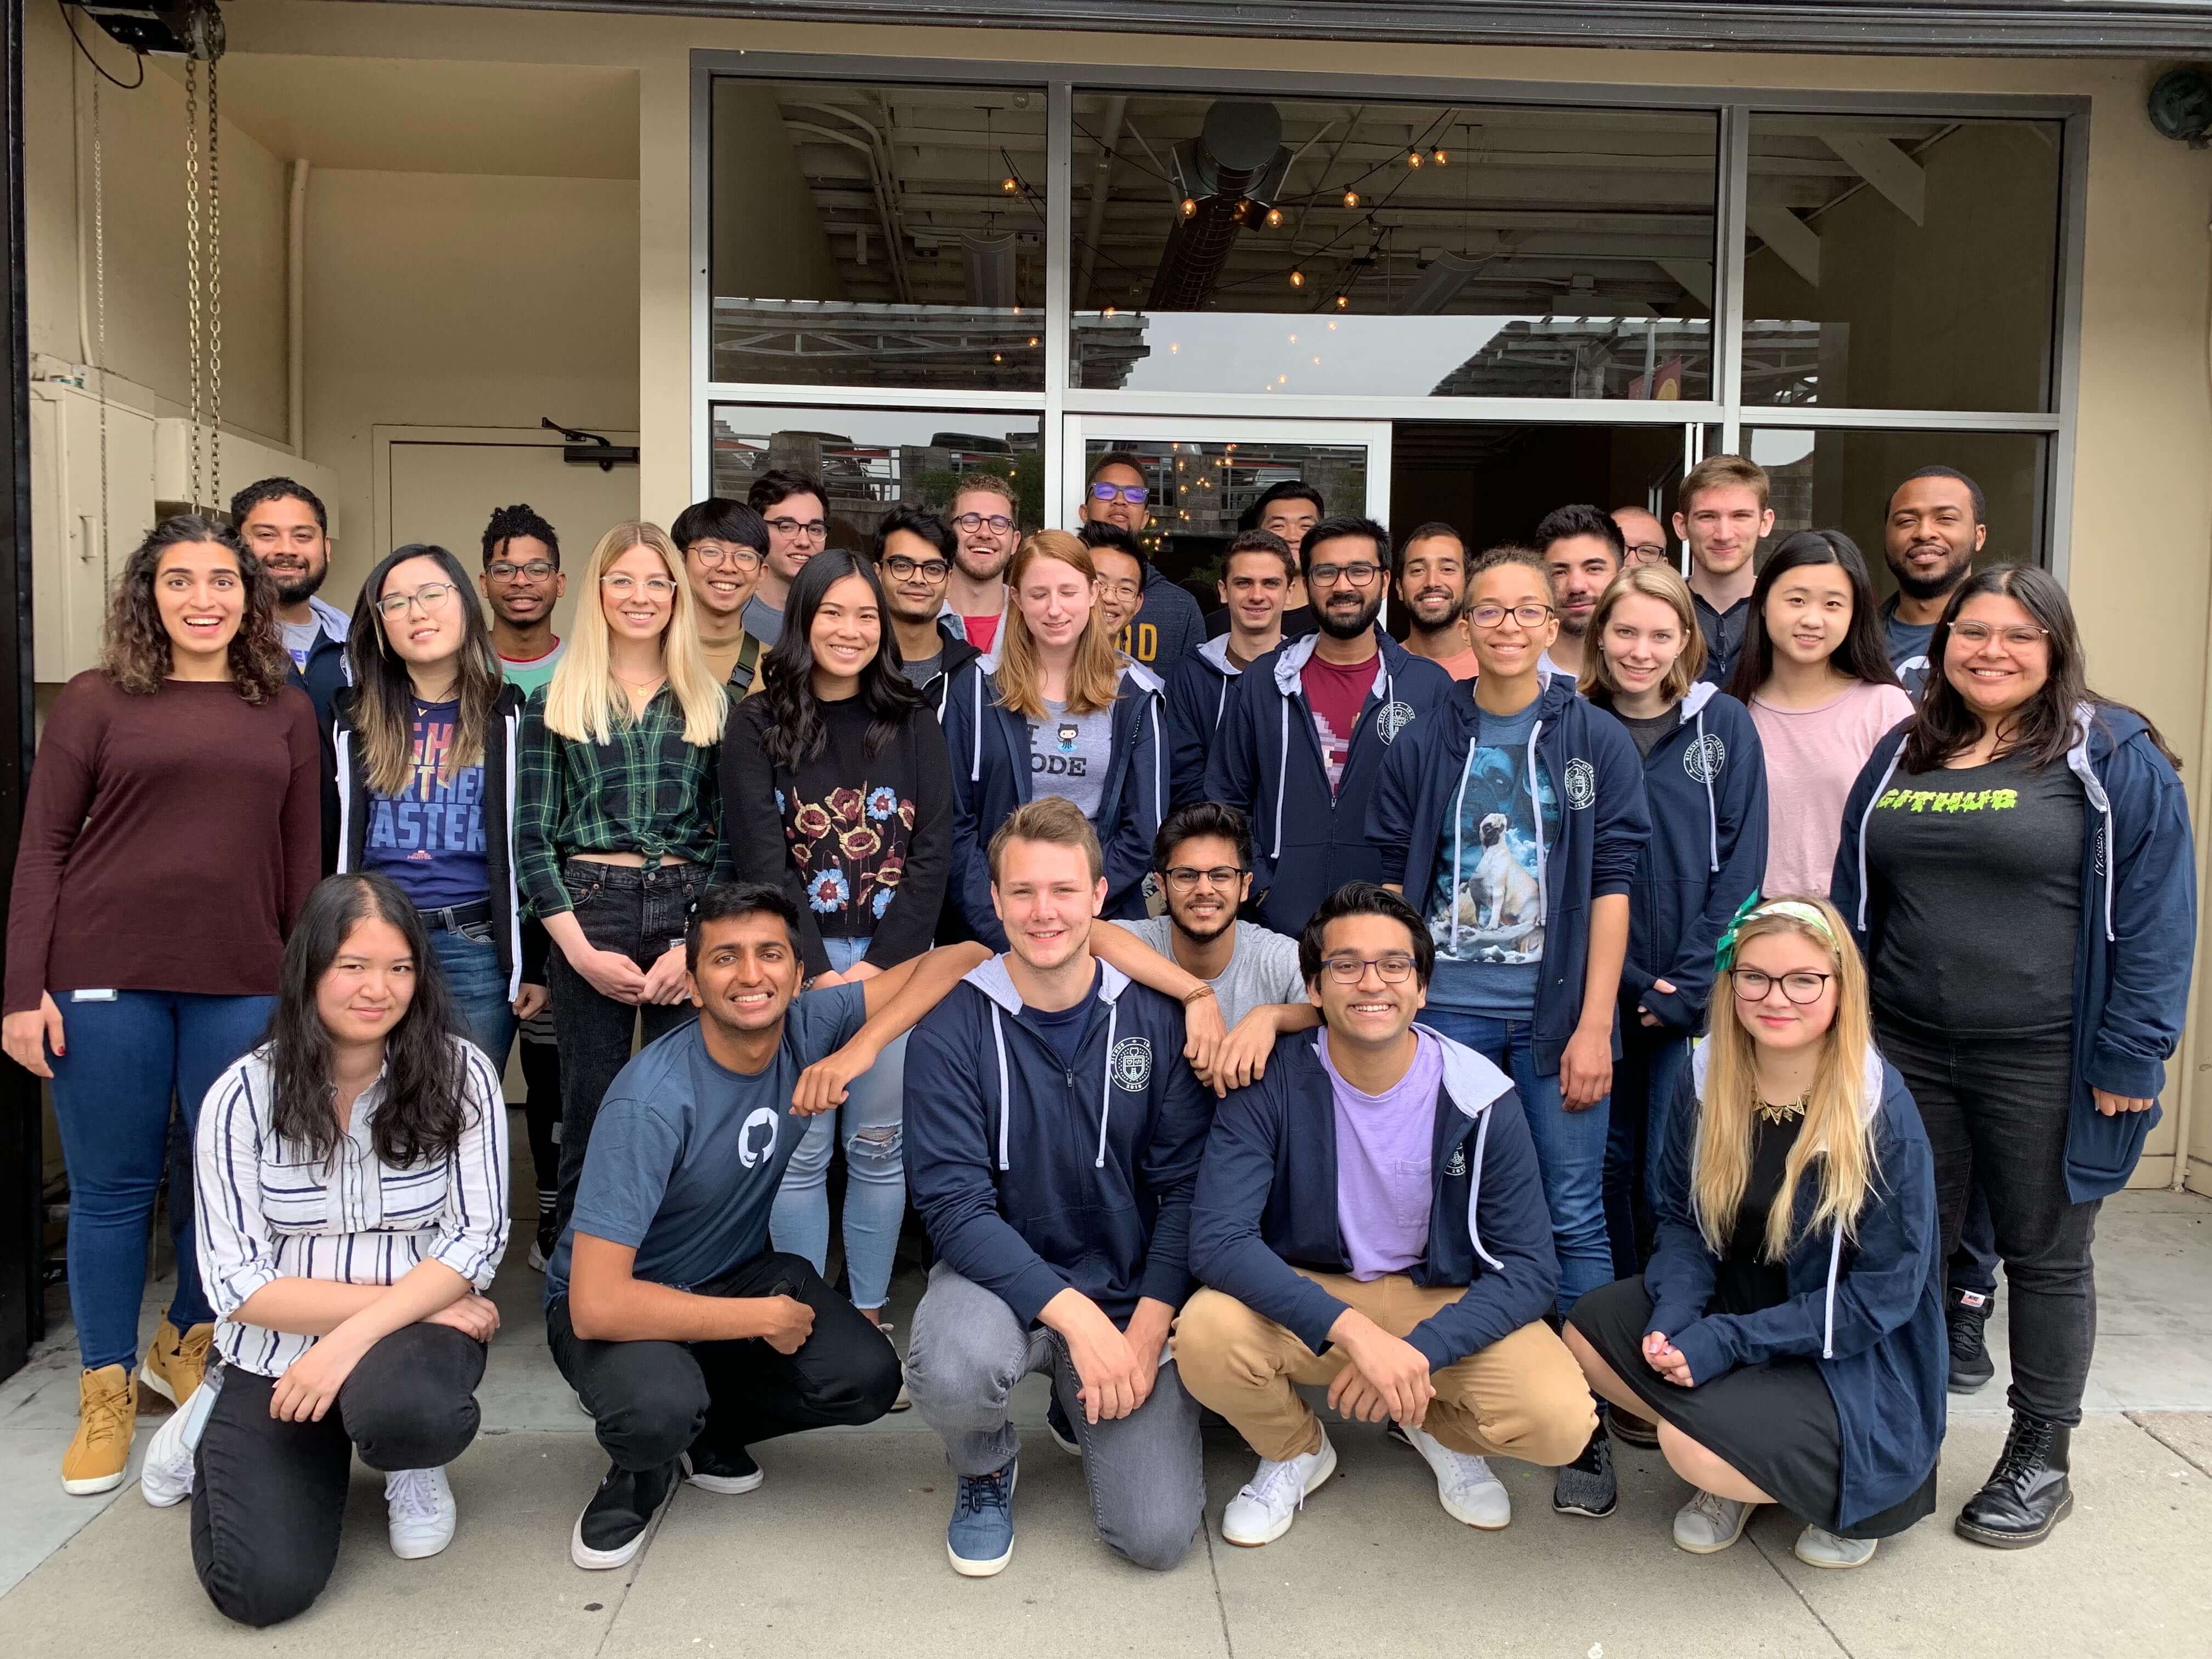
875, 1188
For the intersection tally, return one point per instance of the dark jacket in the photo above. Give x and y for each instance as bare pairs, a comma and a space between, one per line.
521, 949
1167, 624
1267, 1204
1603, 826
1267, 762
1868, 1310
1704, 786
1197, 699
2138, 936
1033, 1177
990, 749
326, 674
958, 653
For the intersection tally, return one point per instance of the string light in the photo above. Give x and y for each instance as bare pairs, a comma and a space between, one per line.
1414, 158
1344, 302
1274, 218
1438, 156
1189, 206
1033, 339
1011, 185
1351, 198
1298, 278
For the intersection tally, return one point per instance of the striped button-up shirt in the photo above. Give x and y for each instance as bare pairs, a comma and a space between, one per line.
267, 1209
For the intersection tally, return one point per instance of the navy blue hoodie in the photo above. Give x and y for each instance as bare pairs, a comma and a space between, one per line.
2138, 936
1033, 1177
1603, 826
1198, 701
1267, 1204
1267, 762
990, 747
1868, 1310
1704, 786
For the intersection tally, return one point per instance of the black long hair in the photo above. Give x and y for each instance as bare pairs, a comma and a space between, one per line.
384, 689
794, 733
2042, 728
421, 1115
1862, 655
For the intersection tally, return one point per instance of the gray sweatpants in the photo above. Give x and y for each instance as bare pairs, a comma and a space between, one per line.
1147, 1485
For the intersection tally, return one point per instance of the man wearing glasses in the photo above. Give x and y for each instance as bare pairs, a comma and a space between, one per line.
797, 511
1644, 536
1167, 622
984, 520
723, 544
1335, 1229
1308, 724
917, 554
521, 583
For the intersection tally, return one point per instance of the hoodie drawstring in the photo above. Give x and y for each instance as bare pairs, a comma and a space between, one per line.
1282, 773
1536, 816
1866, 818
1835, 1266
1712, 812
1005, 1097
1159, 753
1106, 1088
1474, 1192
1221, 702
1459, 834
975, 768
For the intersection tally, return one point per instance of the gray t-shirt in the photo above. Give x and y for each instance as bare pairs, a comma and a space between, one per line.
1068, 755
1646, 733
686, 1156
1907, 644
1263, 967
763, 621
299, 639
920, 671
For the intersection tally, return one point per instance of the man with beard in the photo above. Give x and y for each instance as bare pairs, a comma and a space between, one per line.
724, 545
916, 554
1302, 744
1167, 622
1938, 520
283, 524
984, 519
1644, 536
1583, 550
1724, 512
1433, 586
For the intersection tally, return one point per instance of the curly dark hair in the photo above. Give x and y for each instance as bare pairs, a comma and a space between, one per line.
136, 653
520, 519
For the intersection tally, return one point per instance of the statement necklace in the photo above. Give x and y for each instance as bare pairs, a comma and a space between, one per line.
1770, 1113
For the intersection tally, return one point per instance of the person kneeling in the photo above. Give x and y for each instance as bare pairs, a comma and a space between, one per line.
1370, 1216
687, 1338
1788, 1331
351, 1178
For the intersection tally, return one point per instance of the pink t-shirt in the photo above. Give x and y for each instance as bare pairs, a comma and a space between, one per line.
1812, 758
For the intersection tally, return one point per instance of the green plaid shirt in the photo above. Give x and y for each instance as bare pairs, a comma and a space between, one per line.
645, 790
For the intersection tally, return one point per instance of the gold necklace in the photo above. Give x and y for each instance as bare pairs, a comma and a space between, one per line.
1770, 1113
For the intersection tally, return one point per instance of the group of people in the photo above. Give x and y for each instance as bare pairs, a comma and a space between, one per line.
1633, 1007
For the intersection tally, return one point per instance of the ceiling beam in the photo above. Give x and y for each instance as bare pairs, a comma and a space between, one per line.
1899, 178
1795, 243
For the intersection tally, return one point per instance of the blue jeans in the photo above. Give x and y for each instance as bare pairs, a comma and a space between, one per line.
471, 962
1570, 1146
875, 1170
127, 1059
1652, 1060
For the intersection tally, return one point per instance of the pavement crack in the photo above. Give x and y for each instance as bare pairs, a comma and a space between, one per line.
1220, 1606
1841, 1646
2179, 1451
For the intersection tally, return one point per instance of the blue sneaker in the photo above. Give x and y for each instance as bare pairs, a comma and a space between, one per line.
980, 1540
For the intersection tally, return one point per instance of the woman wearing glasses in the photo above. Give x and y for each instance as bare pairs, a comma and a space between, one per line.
2017, 862
620, 826
838, 791
427, 736
1514, 819
1788, 1334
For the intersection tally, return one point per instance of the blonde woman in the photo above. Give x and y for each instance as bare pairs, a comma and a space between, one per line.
1053, 709
1788, 1333
620, 827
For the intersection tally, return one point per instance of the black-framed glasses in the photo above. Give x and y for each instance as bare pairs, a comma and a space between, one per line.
813, 530
741, 559
537, 570
1977, 635
1395, 967
1355, 575
999, 522
1751, 985
1647, 552
903, 569
1135, 495
1185, 878
430, 596
1494, 616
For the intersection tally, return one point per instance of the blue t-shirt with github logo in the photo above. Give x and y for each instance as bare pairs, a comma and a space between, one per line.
686, 1155
429, 838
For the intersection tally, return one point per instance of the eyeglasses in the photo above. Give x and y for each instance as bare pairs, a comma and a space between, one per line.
537, 570
969, 523
1135, 495
741, 559
1751, 985
1184, 879
1347, 970
1120, 590
1647, 552
1977, 635
1356, 576
430, 596
813, 530
1494, 616
656, 587
903, 569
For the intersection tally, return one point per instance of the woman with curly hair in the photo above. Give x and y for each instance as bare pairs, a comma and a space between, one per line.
181, 774
838, 790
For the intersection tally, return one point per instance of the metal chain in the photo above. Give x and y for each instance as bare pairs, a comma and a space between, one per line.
214, 283
100, 314
193, 477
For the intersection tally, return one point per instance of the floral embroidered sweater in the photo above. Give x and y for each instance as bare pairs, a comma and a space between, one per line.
862, 842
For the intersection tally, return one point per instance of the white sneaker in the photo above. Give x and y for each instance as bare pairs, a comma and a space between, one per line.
166, 1477
1263, 1511
1470, 1493
422, 1512
1708, 1523
1818, 1547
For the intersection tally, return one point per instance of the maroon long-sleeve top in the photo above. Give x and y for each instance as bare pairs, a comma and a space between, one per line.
168, 842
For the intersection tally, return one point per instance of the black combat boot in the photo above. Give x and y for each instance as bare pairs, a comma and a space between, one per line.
2027, 1493
1971, 1364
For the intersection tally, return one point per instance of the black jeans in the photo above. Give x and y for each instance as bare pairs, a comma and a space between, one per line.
652, 1400
1996, 1108
268, 1498
640, 912
1974, 1264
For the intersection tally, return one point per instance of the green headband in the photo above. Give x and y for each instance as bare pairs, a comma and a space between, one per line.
1753, 908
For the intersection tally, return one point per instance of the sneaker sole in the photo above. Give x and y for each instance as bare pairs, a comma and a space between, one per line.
1742, 1522
1322, 1470
156, 1384
1558, 1507
729, 1486
2014, 1541
1957, 1384
94, 1486
424, 1551
1833, 1566
592, 1560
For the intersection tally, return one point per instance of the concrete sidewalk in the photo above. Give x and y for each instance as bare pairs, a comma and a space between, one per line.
842, 1550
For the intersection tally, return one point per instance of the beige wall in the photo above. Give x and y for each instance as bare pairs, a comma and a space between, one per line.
768, 239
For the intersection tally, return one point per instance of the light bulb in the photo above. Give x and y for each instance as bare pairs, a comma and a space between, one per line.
1009, 185
1351, 198
1438, 157
1274, 218
1297, 279
1414, 158
1344, 302
998, 357
1033, 339
1189, 206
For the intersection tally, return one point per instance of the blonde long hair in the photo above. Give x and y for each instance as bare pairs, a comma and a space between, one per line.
1094, 679
1662, 582
584, 701
1837, 1129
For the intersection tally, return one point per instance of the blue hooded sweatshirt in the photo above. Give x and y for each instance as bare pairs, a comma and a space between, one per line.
1198, 701
1267, 762
2138, 937
1867, 1310
1603, 825
1267, 1204
990, 749
1033, 1177
1705, 785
